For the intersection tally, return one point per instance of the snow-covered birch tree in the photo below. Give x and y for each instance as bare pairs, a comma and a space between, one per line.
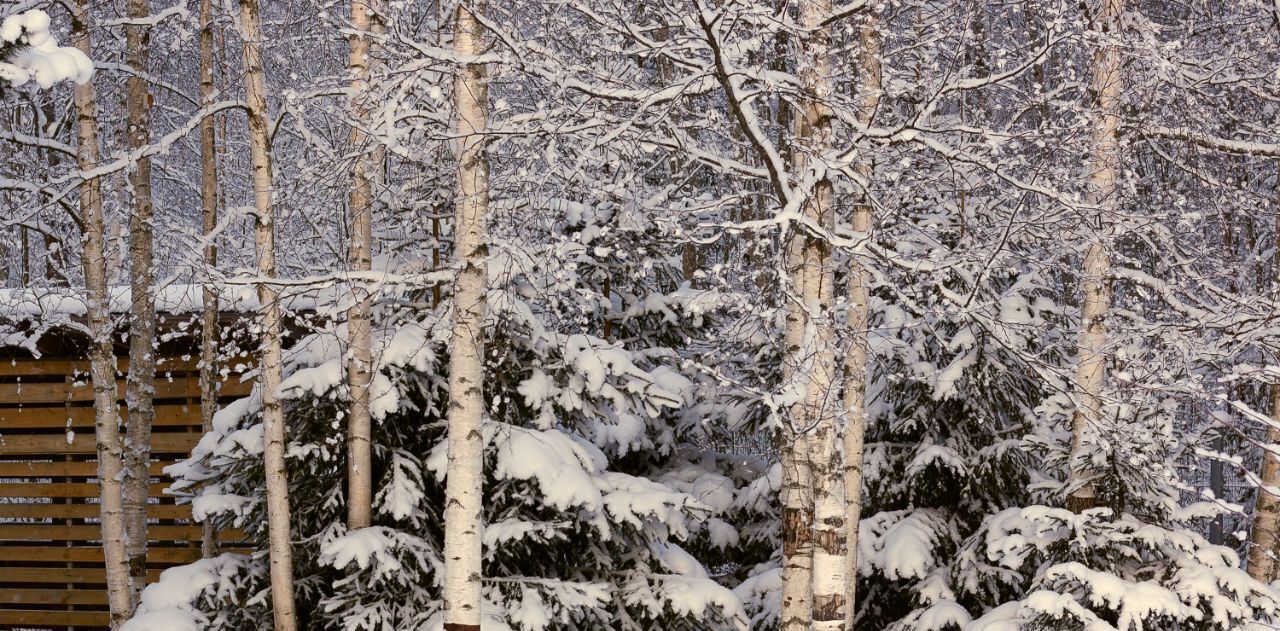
209, 251
868, 88
270, 355
360, 202
463, 510
102, 351
1103, 166
140, 382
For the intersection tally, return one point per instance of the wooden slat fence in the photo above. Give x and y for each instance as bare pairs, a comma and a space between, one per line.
51, 574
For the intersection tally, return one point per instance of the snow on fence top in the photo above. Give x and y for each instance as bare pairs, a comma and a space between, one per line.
328, 295
63, 303
26, 315
34, 53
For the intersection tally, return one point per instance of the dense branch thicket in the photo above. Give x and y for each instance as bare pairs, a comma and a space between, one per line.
786, 314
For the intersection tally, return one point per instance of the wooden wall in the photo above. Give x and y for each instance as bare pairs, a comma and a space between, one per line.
50, 551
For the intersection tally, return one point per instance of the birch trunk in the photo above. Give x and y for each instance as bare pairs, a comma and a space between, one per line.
102, 359
830, 534
360, 203
810, 338
797, 531
464, 526
1103, 167
797, 478
858, 318
1264, 537
142, 315
208, 223
277, 481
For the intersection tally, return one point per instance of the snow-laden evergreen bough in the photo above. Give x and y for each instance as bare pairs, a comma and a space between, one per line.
606, 506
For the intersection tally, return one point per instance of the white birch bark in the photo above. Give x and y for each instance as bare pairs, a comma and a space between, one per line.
797, 530
813, 486
102, 359
1264, 536
797, 477
1103, 165
359, 333
858, 318
277, 482
816, 362
464, 526
208, 222
142, 314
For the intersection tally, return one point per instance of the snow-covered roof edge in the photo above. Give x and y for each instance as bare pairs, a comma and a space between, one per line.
50, 303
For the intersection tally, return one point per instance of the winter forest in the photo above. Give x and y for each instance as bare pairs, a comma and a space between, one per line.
797, 315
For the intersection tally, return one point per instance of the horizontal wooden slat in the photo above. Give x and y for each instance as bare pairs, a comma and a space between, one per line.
84, 511
88, 532
54, 597
34, 398
92, 532
78, 469
181, 388
55, 367
84, 443
53, 618
94, 575
63, 489
87, 554
81, 418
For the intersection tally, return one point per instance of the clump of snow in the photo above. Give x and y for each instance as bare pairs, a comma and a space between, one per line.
678, 560
509, 530
170, 604
944, 383
762, 592
695, 596
532, 612
899, 544
401, 495
940, 455
722, 534
39, 58
561, 465
1006, 617
208, 504
544, 602
713, 490
1140, 574
940, 616
1135, 601
759, 494
636, 500
364, 547
685, 596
